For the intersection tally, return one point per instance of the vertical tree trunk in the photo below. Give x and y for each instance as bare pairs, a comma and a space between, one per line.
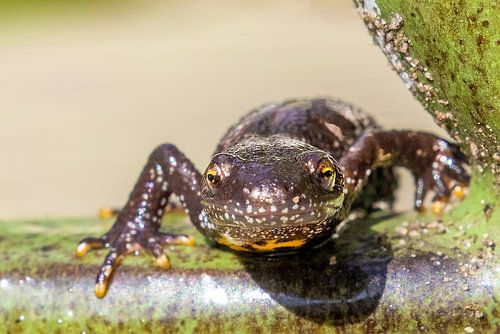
448, 55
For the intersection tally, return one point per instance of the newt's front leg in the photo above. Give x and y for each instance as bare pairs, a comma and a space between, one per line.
137, 225
435, 163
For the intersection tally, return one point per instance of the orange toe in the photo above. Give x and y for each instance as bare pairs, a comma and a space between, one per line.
82, 249
100, 290
163, 262
437, 208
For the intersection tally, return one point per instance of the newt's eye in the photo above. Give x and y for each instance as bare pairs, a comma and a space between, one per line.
326, 171
326, 174
213, 175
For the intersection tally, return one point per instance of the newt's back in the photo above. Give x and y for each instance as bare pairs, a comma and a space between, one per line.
328, 124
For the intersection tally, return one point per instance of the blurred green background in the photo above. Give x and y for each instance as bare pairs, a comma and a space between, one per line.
89, 88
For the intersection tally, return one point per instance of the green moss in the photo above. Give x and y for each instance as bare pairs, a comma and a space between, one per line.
57, 245
457, 48
459, 42
373, 283
466, 225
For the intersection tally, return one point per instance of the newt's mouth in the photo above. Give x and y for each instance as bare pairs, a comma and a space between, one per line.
270, 217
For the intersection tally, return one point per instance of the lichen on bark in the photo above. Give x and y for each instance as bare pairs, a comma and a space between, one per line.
447, 54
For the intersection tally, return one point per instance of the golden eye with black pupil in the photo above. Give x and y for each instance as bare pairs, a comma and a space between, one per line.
326, 171
212, 175
326, 174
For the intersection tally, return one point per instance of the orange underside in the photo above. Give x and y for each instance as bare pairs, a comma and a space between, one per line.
267, 246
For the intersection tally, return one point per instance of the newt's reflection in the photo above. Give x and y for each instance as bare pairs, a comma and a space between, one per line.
342, 282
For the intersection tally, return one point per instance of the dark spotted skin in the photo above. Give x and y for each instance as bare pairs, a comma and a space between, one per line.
280, 180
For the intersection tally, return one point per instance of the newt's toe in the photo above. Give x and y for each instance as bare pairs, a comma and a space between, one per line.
102, 284
105, 213
458, 192
82, 249
437, 207
163, 262
88, 244
103, 279
100, 290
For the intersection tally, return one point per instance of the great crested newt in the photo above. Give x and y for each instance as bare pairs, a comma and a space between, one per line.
281, 179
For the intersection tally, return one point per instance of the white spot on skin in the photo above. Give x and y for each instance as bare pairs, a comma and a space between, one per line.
296, 199
335, 129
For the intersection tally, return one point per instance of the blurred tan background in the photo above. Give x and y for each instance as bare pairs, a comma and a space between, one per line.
87, 93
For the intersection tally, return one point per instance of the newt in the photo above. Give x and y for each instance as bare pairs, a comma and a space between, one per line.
280, 180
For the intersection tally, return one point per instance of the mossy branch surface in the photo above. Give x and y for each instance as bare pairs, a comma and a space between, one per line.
385, 273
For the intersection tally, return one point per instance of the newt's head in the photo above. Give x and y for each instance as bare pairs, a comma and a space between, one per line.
271, 194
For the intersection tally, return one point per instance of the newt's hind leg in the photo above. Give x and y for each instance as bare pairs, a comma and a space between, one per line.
436, 164
137, 225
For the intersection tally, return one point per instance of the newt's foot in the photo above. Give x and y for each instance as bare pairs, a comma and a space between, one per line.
124, 243
445, 175
438, 206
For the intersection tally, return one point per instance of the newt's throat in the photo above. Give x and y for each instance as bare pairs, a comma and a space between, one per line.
270, 240
264, 246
